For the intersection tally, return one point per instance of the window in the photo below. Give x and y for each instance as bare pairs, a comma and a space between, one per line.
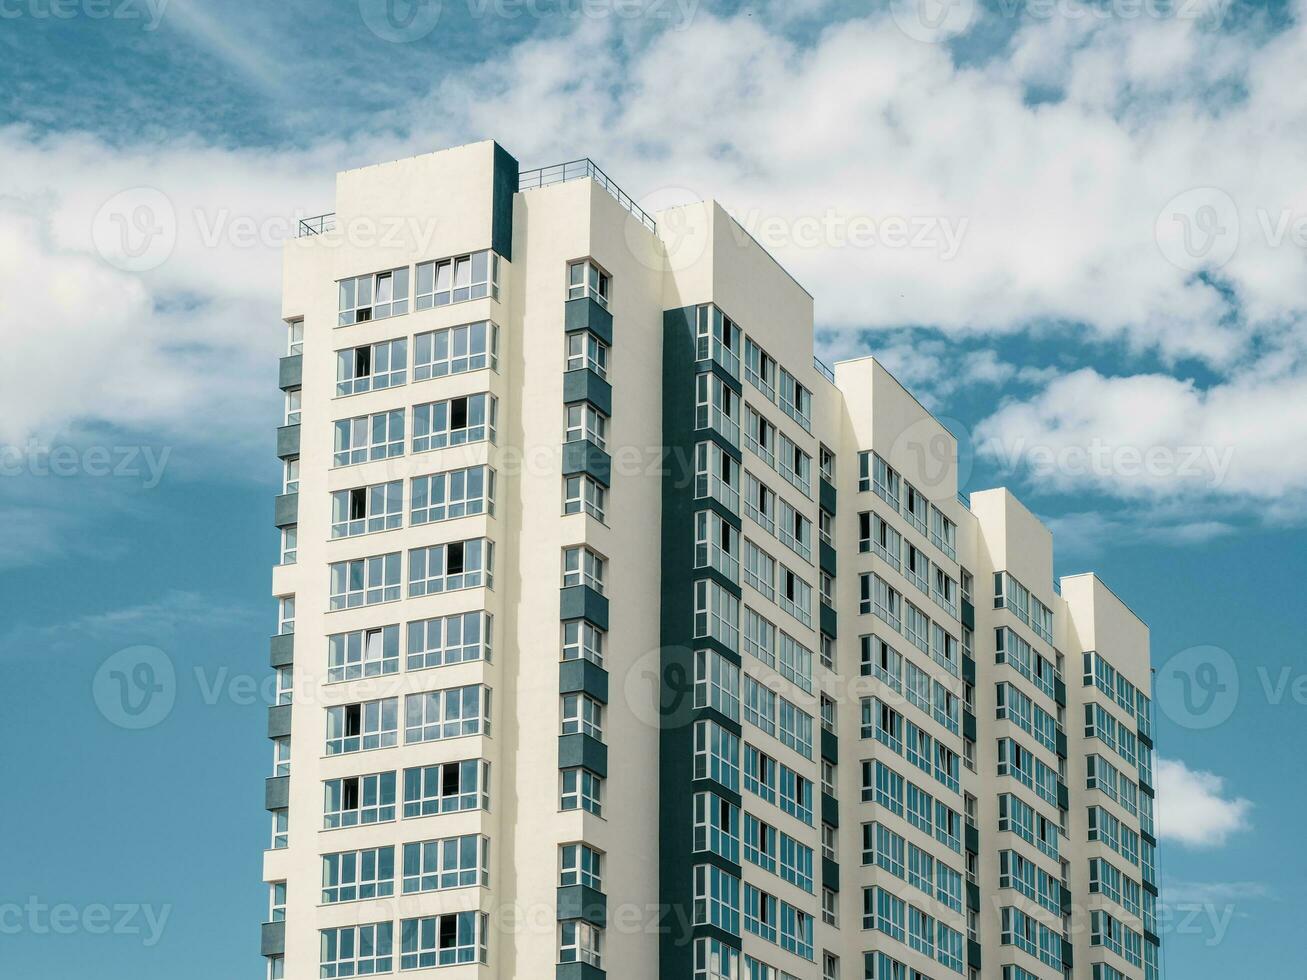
277, 901
371, 367
826, 462
365, 581
796, 400
760, 369
455, 350
585, 278
351, 876
373, 297
276, 967
717, 339
795, 531
449, 567
581, 714
716, 898
759, 636
353, 951
584, 495
280, 829
759, 705
716, 614
286, 614
358, 800
716, 683
285, 680
452, 862
714, 960
456, 280
717, 406
453, 494
452, 713
580, 942
583, 641
580, 864
281, 756
585, 423
454, 422
294, 402
442, 940
581, 566
760, 503
294, 337
291, 476
943, 533
367, 437
365, 510
830, 908
363, 726
586, 351
826, 527
795, 728
716, 826
446, 640
449, 787
796, 596
760, 436
581, 790
289, 544
717, 544
716, 475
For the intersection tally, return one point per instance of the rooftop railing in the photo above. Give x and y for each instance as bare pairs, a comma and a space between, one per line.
580, 170
822, 369
317, 225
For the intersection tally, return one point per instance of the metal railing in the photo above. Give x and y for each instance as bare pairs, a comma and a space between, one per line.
964, 500
822, 369
317, 225
579, 170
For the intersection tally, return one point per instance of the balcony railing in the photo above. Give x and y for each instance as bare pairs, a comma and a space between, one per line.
579, 170
317, 225
823, 370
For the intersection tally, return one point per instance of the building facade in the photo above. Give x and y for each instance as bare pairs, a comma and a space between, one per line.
620, 637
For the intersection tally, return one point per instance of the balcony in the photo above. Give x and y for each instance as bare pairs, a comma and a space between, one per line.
582, 169
317, 225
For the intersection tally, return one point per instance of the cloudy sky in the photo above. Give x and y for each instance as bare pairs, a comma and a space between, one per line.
1076, 230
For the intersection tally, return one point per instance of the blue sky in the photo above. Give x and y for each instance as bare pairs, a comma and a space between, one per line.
1121, 188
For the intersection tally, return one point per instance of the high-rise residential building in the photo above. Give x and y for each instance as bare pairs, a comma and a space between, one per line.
619, 637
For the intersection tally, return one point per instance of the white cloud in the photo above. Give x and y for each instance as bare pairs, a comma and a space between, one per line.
1153, 437
1194, 809
1059, 200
